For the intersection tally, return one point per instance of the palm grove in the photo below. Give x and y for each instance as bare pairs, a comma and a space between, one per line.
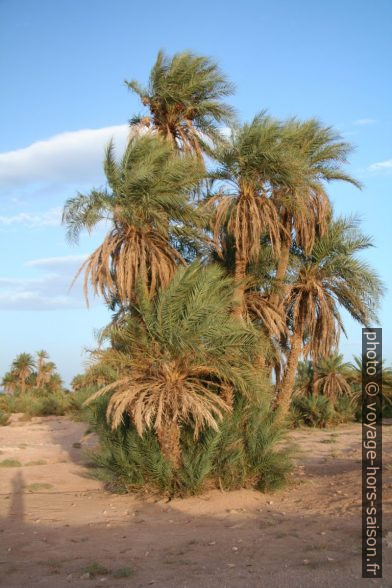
224, 267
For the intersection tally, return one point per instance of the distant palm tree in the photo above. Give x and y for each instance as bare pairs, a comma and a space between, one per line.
54, 383
9, 382
184, 98
78, 382
149, 210
355, 378
48, 371
333, 377
304, 378
42, 357
329, 278
251, 166
23, 366
181, 359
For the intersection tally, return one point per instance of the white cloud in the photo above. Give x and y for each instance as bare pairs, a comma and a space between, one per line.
68, 158
57, 262
51, 291
49, 218
381, 165
362, 122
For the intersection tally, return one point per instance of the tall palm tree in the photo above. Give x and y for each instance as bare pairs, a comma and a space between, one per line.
331, 277
304, 209
184, 99
333, 377
23, 366
182, 359
251, 166
42, 356
148, 207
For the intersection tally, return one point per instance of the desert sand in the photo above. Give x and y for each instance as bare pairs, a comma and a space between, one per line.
56, 520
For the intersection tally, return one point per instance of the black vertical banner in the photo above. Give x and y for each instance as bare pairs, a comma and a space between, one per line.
372, 453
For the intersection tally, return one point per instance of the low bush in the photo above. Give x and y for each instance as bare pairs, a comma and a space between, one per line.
4, 418
241, 454
321, 411
36, 403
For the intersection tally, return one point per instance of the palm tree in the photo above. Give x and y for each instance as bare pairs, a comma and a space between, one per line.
23, 366
48, 371
333, 377
304, 209
331, 277
54, 382
355, 379
184, 99
181, 360
149, 210
78, 382
304, 378
9, 382
251, 167
42, 357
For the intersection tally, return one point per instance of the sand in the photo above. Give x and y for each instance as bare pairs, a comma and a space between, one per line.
56, 521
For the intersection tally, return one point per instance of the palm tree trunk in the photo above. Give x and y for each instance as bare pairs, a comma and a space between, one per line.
239, 275
285, 392
169, 440
281, 271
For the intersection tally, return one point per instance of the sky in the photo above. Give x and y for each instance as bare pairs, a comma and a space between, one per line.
62, 70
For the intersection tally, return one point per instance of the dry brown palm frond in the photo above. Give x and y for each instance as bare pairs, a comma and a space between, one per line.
247, 218
333, 385
126, 256
272, 318
311, 305
156, 393
304, 212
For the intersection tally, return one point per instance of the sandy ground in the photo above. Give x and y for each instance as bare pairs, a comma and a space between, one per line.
55, 521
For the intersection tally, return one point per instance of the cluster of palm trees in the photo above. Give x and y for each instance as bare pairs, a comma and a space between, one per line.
30, 374
214, 219
334, 378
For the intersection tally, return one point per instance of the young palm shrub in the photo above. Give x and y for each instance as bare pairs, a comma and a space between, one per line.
147, 204
331, 277
241, 453
181, 360
184, 99
312, 411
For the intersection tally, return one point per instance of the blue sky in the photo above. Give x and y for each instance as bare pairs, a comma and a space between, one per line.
62, 66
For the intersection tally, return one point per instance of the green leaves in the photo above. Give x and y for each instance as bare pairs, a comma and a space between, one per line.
184, 98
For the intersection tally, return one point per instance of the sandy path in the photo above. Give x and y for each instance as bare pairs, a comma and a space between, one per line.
55, 520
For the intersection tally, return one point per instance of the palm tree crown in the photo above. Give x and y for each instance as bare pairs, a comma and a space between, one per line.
148, 206
23, 367
184, 98
333, 377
